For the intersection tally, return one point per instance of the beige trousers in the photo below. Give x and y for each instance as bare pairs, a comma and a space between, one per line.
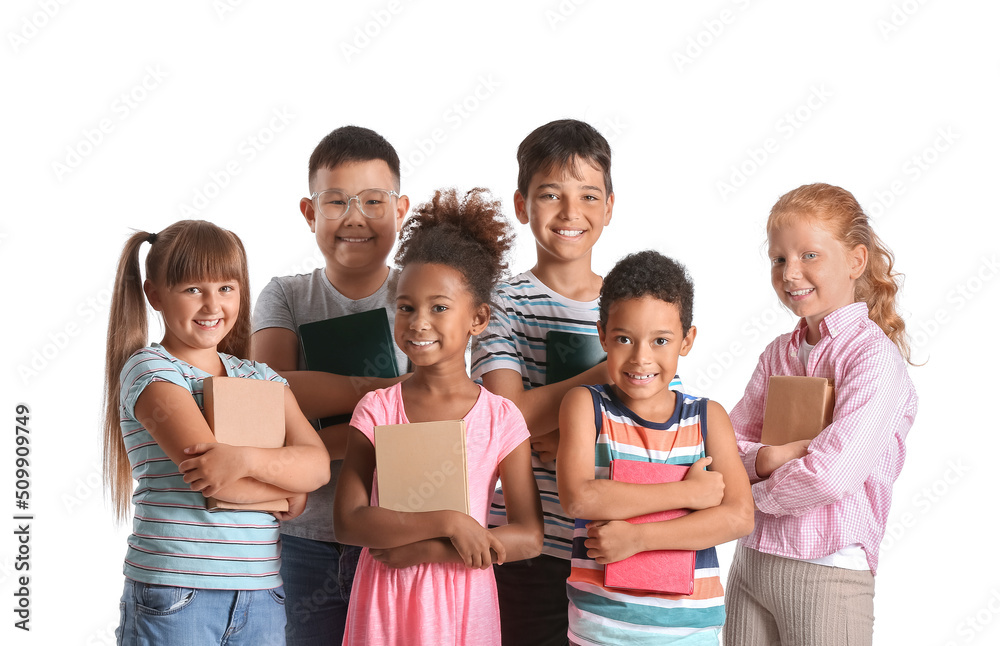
772, 601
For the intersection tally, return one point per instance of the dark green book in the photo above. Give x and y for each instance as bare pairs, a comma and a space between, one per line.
355, 345
567, 354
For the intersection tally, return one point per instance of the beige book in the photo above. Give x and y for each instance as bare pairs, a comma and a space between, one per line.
797, 408
246, 412
422, 466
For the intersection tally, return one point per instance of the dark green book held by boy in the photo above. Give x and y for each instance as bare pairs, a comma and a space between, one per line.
568, 354
355, 345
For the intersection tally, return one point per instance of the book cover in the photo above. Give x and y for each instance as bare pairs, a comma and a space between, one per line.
246, 412
568, 354
422, 466
662, 571
796, 408
355, 345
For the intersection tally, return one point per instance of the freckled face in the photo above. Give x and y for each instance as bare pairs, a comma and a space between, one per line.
811, 272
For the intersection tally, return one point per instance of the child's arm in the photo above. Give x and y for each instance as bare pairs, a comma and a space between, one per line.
540, 406
359, 523
523, 533
521, 536
874, 399
296, 505
301, 465
748, 417
324, 394
760, 460
771, 457
732, 518
278, 347
584, 496
248, 474
320, 394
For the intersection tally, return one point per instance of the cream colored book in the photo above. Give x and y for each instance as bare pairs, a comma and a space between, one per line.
422, 466
797, 408
246, 412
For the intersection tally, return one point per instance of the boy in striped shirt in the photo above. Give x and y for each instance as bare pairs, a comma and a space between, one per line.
564, 194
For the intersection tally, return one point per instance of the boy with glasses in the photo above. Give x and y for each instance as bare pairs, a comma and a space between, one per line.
355, 211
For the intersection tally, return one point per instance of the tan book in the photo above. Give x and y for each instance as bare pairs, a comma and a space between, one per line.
797, 408
246, 412
422, 466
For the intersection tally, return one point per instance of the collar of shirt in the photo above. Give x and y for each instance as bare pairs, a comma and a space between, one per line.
833, 324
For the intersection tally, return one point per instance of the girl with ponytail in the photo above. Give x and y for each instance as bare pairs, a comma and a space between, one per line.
192, 574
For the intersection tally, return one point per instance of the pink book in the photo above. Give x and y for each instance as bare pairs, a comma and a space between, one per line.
662, 571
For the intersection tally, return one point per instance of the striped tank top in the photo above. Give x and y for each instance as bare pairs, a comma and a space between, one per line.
515, 339
600, 615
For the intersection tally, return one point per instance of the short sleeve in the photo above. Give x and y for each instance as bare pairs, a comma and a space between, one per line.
514, 430
369, 412
143, 368
270, 374
247, 369
272, 308
495, 348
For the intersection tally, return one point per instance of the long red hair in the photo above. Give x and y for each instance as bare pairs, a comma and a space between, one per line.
837, 211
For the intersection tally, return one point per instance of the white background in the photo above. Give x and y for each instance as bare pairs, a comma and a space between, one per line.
895, 100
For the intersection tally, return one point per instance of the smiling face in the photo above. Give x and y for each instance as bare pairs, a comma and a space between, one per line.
566, 214
354, 243
197, 316
811, 272
435, 315
644, 339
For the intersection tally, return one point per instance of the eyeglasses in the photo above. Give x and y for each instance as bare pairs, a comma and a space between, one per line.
373, 203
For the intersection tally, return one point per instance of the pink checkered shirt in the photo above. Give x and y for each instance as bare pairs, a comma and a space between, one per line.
840, 492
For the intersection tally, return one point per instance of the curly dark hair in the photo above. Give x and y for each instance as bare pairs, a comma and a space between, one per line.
468, 233
649, 273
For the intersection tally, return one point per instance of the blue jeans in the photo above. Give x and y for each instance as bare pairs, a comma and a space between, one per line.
318, 576
155, 615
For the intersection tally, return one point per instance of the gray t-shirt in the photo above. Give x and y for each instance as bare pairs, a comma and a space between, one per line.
288, 302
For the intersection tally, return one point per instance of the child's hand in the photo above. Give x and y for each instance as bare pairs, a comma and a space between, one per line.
546, 445
474, 542
611, 540
213, 467
296, 505
403, 556
769, 458
708, 486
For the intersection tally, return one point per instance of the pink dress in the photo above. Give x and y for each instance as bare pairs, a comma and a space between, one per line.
435, 603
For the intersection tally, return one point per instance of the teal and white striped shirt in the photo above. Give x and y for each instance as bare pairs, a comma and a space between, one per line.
175, 540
